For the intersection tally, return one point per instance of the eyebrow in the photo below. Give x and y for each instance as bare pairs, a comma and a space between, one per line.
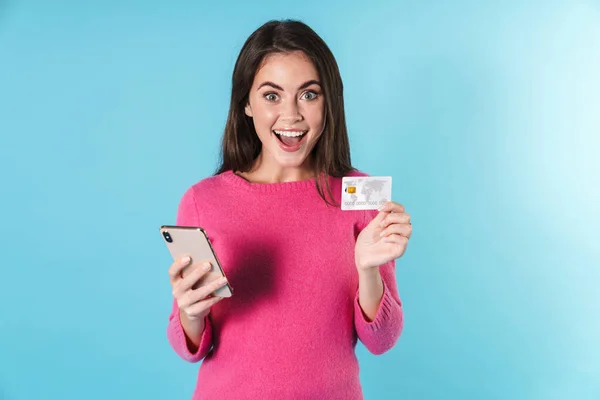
303, 86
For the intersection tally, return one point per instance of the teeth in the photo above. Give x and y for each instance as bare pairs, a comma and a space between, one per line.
290, 133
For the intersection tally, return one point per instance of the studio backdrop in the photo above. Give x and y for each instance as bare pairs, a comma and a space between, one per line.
486, 115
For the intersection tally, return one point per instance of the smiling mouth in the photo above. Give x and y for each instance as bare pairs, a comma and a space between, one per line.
290, 138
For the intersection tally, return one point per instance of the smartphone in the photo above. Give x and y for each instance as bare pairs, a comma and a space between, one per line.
181, 240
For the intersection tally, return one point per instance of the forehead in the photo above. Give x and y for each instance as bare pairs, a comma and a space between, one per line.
286, 69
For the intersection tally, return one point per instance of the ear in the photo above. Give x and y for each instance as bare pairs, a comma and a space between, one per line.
248, 110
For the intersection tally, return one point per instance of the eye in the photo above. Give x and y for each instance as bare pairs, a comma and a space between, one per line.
271, 96
310, 95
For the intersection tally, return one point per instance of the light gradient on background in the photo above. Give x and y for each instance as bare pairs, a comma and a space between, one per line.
487, 116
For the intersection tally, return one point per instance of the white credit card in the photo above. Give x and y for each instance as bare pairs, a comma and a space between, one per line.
365, 192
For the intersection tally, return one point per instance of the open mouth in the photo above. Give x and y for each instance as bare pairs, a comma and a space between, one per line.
290, 138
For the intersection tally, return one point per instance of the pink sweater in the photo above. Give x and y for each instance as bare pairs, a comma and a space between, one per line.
291, 327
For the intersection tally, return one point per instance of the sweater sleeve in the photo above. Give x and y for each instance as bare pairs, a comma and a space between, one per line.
187, 215
382, 333
179, 342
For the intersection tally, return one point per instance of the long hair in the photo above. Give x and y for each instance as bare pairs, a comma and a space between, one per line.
241, 145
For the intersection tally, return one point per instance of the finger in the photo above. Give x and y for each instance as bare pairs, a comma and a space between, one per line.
379, 218
190, 280
201, 306
396, 239
178, 266
391, 206
383, 212
395, 218
398, 229
207, 289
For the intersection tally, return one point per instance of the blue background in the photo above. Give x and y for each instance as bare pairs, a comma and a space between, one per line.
486, 114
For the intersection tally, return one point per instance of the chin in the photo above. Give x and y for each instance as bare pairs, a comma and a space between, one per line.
295, 161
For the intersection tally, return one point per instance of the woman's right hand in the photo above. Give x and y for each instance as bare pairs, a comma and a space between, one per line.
193, 302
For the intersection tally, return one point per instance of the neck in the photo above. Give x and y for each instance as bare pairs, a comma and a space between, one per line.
264, 171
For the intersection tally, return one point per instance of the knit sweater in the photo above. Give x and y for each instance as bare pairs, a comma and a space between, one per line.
290, 329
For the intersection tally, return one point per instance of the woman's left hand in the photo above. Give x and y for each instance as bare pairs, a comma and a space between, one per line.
384, 239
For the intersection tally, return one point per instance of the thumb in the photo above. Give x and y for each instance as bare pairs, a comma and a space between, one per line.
378, 219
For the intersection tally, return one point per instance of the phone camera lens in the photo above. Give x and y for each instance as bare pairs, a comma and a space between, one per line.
168, 237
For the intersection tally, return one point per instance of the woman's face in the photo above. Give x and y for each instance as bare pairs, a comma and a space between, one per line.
287, 107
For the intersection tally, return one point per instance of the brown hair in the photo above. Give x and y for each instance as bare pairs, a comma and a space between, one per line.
241, 145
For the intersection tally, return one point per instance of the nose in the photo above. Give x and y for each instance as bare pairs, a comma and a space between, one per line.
291, 111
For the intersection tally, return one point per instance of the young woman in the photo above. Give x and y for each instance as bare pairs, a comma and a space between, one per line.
309, 279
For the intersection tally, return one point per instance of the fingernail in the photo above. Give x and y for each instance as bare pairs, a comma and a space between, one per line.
381, 207
223, 280
206, 266
185, 260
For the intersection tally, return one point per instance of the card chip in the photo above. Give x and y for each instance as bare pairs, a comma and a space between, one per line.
351, 189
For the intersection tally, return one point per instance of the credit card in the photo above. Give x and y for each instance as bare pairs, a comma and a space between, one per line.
365, 192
